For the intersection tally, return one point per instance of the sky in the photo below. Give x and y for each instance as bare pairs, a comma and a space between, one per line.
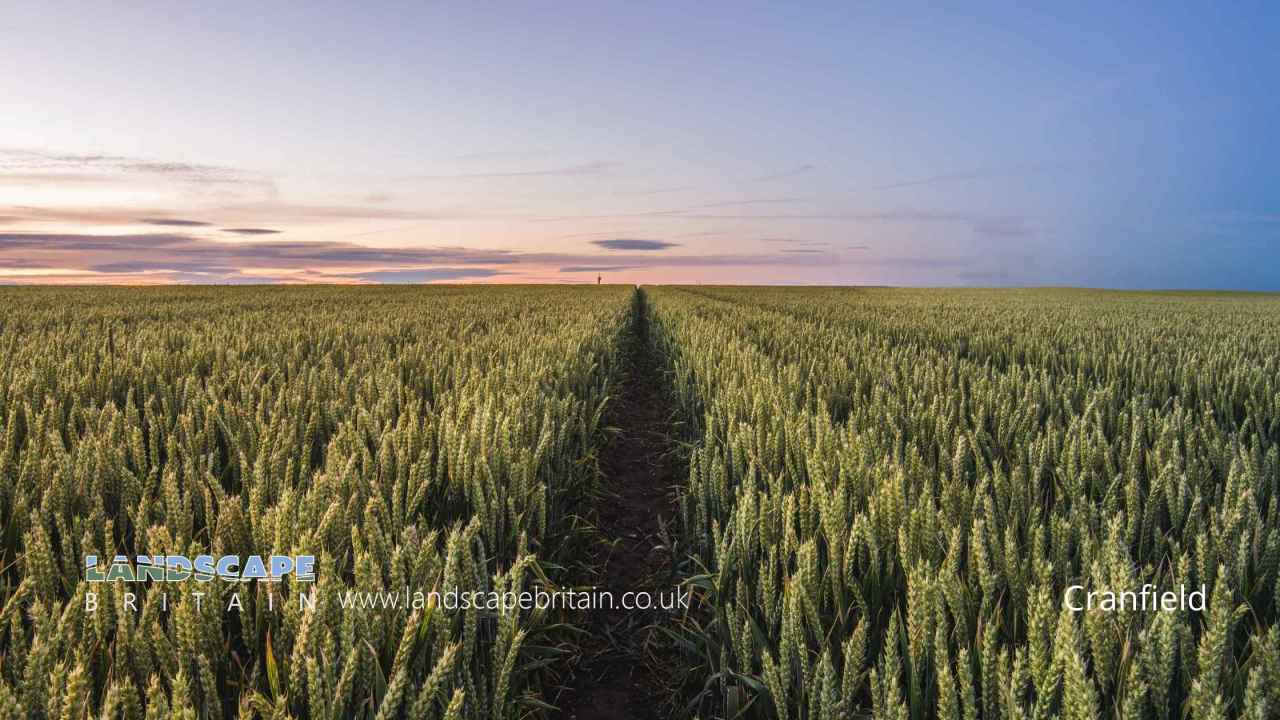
1101, 144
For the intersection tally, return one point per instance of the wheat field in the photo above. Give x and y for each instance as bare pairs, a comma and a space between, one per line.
892, 499
893, 490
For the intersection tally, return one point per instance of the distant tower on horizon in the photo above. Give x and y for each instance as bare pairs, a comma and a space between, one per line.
598, 279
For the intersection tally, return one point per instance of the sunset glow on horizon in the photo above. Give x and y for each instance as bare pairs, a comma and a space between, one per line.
747, 144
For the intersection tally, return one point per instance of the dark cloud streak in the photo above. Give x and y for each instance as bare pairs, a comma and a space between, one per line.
633, 244
251, 231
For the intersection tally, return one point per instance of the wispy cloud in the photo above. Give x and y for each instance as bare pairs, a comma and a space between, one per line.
488, 155
933, 180
797, 170
425, 275
600, 234
32, 179
792, 241
656, 191
633, 244
235, 213
595, 268
963, 176
173, 222
80, 215
591, 168
688, 211
98, 167
712, 233
27, 158
747, 203
1009, 228
992, 226
303, 212
159, 251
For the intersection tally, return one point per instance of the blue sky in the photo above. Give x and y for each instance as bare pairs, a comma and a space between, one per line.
930, 144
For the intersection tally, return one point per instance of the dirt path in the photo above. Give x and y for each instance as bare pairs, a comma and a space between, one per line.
616, 676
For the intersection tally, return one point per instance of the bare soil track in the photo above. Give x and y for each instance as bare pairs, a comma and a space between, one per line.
618, 674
